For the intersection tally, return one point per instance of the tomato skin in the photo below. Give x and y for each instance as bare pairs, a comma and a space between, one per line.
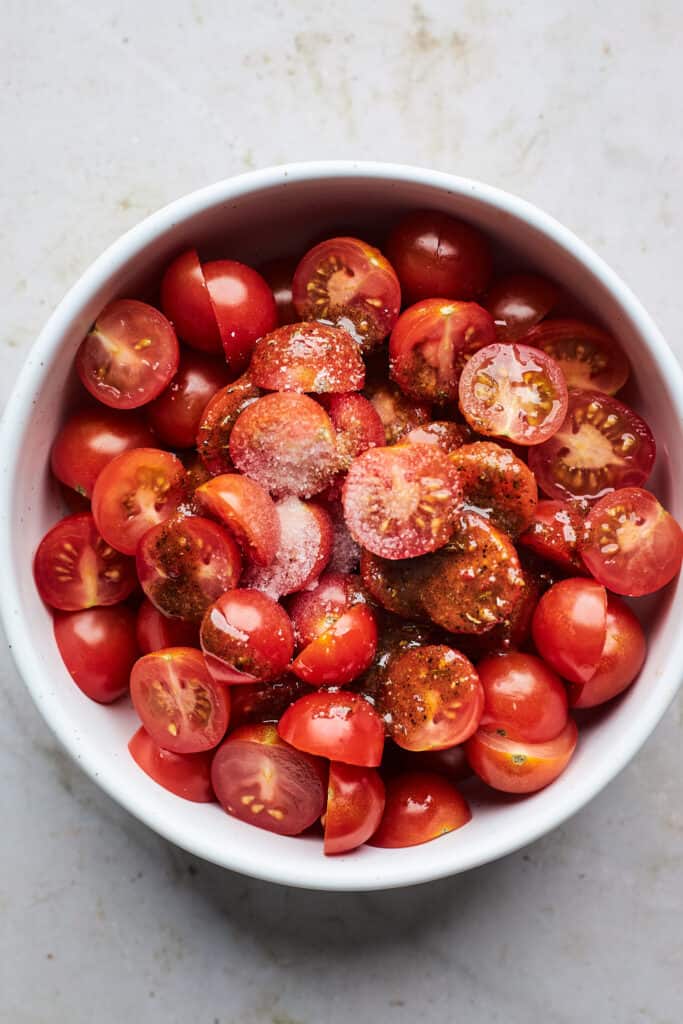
217, 421
451, 762
520, 767
621, 660
244, 308
569, 627
589, 357
246, 637
514, 632
90, 439
316, 609
357, 424
176, 414
342, 653
248, 510
518, 301
554, 533
308, 357
355, 804
185, 775
185, 301
155, 631
420, 806
496, 484
436, 254
525, 700
99, 648
259, 703
393, 583
304, 550
279, 274
340, 726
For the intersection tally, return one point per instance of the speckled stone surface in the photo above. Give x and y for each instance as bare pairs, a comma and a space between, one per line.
108, 111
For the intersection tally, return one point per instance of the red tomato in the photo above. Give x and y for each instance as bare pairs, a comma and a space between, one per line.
525, 700
217, 421
515, 392
90, 439
304, 550
620, 662
588, 356
75, 568
496, 484
342, 653
554, 532
248, 510
420, 806
155, 631
445, 435
511, 634
395, 583
264, 702
518, 301
602, 445
399, 415
185, 775
431, 343
355, 803
316, 609
279, 274
99, 648
631, 544
340, 726
430, 698
177, 412
401, 502
185, 301
262, 780
182, 708
520, 767
129, 356
569, 627
185, 564
246, 637
357, 424
395, 639
350, 283
244, 308
435, 254
307, 357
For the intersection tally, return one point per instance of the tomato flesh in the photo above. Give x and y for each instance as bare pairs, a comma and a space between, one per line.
303, 552
90, 439
248, 510
518, 301
185, 301
588, 356
99, 648
569, 627
420, 806
520, 767
185, 775
496, 484
308, 357
340, 726
355, 803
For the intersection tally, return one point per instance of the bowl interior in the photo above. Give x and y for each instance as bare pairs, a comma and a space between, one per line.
253, 218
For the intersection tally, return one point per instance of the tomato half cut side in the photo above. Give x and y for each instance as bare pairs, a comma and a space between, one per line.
303, 552
249, 511
589, 357
355, 803
554, 533
99, 648
569, 627
520, 767
419, 807
621, 660
525, 700
185, 775
357, 424
514, 632
244, 308
246, 637
185, 301
217, 421
90, 439
340, 726
341, 653
308, 357
177, 412
155, 631
496, 484
520, 300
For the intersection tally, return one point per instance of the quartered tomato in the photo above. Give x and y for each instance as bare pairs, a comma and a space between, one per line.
589, 357
399, 415
279, 274
525, 700
303, 552
518, 301
357, 424
177, 412
217, 421
340, 726
431, 343
244, 308
180, 705
631, 544
129, 356
90, 439
154, 631
420, 806
445, 434
99, 648
602, 445
496, 484
349, 283
185, 301
309, 357
554, 532
185, 775
621, 660
76, 568
249, 511
355, 803
246, 637
569, 627
341, 653
519, 766
264, 702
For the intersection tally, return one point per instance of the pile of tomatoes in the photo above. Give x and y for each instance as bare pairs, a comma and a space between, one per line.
319, 562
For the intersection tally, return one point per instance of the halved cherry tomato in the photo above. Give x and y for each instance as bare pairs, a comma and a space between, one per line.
631, 544
496, 484
589, 357
569, 627
185, 301
436, 254
217, 421
155, 631
340, 726
431, 343
401, 502
90, 439
511, 634
315, 610
264, 702
129, 356
518, 301
246, 637
181, 706
248, 510
554, 532
515, 392
310, 357
602, 445
525, 700
186, 775
443, 433
279, 274
430, 698
133, 493
394, 639
185, 563
303, 552
99, 648
520, 767
399, 415
177, 412
262, 780
394, 583
620, 662
355, 803
357, 424
342, 653
420, 806
244, 308
350, 283
76, 568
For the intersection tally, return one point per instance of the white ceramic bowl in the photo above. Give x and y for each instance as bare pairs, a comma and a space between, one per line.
253, 217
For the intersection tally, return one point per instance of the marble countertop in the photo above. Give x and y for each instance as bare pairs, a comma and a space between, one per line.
109, 110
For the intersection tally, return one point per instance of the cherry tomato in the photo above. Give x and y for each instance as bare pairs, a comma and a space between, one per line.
420, 806
185, 775
620, 662
248, 510
554, 532
177, 412
155, 631
182, 708
185, 564
133, 493
308, 357
602, 445
588, 356
262, 780
217, 421
496, 484
631, 544
525, 700
357, 424
264, 702
341, 653
355, 803
90, 439
436, 254
345, 554
394, 583
99, 648
76, 568
129, 356
431, 343
340, 726
520, 767
279, 274
443, 433
350, 283
401, 502
304, 550
518, 301
511, 634
246, 637
452, 762
185, 301
431, 698
72, 500
399, 415
569, 627
515, 392
244, 308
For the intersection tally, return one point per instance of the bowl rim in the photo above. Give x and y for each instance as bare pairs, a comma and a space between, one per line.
17, 415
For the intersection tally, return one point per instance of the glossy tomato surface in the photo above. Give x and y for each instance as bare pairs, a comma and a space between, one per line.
90, 439
244, 308
340, 726
177, 412
355, 803
278, 274
621, 659
588, 356
248, 510
496, 484
185, 301
420, 806
520, 300
246, 637
525, 699
217, 421
155, 631
99, 648
569, 627
185, 775
554, 533
341, 653
519, 766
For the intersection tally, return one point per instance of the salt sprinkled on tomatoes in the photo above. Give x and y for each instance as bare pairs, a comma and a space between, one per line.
304, 551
